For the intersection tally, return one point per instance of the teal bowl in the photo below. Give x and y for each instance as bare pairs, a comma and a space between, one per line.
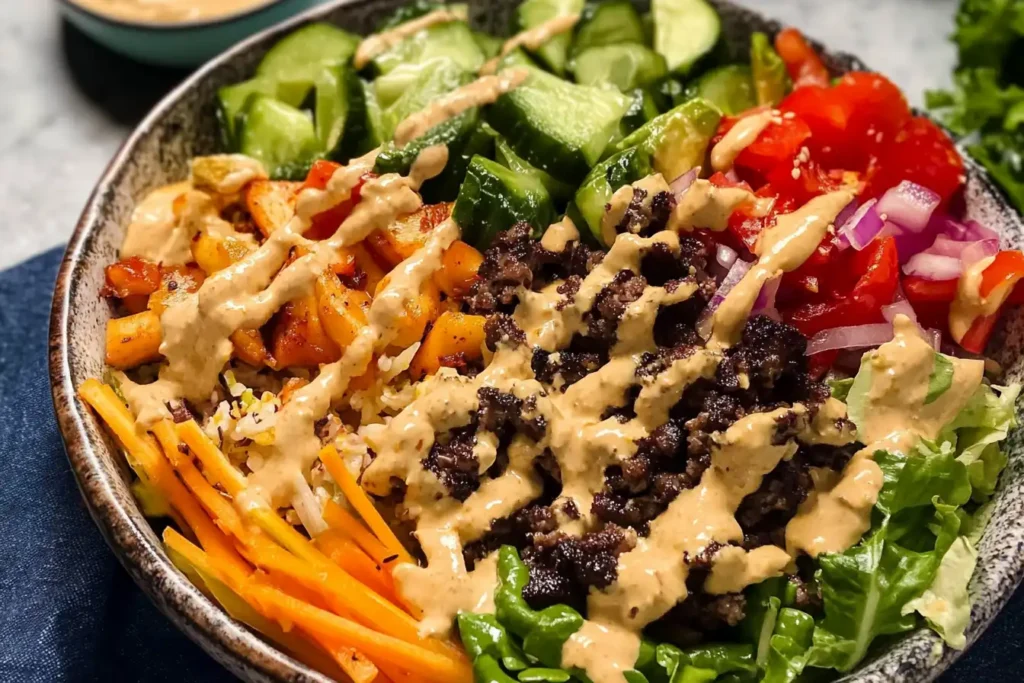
184, 44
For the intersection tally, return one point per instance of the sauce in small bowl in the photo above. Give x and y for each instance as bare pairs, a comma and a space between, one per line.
177, 33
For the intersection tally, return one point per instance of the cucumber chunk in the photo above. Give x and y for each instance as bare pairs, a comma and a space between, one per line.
554, 53
559, 127
295, 60
436, 78
668, 93
464, 137
684, 31
604, 179
342, 116
730, 88
451, 40
416, 9
771, 80
607, 23
231, 99
626, 66
493, 198
560, 192
517, 57
488, 44
281, 137
641, 110
677, 140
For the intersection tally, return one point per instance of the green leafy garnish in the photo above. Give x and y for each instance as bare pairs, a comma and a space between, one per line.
941, 378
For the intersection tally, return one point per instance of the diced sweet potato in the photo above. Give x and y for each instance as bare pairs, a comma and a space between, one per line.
401, 239
342, 310
453, 335
299, 336
419, 312
271, 203
131, 277
249, 347
459, 267
176, 283
215, 252
133, 340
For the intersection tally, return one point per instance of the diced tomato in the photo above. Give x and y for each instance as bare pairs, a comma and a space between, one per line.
802, 62
803, 182
326, 223
813, 278
878, 269
745, 226
719, 179
1006, 269
977, 335
826, 116
877, 111
921, 152
921, 290
777, 145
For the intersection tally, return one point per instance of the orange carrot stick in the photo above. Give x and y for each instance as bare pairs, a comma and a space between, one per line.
347, 555
342, 520
215, 464
358, 499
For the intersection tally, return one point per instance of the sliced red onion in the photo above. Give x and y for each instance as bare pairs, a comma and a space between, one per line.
732, 177
975, 251
725, 256
862, 226
933, 267
736, 272
847, 211
683, 182
934, 337
977, 231
898, 307
909, 205
766, 297
855, 337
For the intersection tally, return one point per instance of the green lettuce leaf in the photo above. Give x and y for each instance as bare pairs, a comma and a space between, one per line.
945, 604
977, 431
788, 647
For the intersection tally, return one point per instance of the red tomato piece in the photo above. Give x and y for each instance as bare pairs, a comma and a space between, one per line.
977, 335
777, 145
921, 152
802, 62
826, 116
1007, 268
877, 111
326, 223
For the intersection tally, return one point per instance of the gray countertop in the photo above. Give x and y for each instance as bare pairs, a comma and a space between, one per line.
68, 103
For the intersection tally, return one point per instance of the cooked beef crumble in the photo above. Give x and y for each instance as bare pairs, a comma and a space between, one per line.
765, 370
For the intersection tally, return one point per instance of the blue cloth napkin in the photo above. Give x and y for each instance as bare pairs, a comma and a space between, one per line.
69, 612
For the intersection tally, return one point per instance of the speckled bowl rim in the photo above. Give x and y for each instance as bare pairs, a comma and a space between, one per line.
124, 527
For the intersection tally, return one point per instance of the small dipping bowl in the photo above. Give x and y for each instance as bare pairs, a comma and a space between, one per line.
179, 44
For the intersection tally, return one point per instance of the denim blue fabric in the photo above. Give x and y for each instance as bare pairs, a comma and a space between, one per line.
69, 612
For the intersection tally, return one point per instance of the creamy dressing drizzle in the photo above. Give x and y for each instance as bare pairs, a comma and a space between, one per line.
379, 43
739, 137
483, 90
532, 38
838, 512
708, 206
969, 305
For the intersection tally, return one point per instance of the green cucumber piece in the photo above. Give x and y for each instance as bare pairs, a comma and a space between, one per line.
488, 44
668, 93
607, 23
554, 53
560, 192
464, 138
493, 198
435, 79
281, 137
451, 40
771, 80
641, 110
517, 57
342, 116
677, 140
684, 31
597, 188
626, 66
415, 10
295, 60
559, 127
730, 88
231, 99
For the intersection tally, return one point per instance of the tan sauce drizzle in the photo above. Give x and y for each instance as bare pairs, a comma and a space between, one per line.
153, 233
781, 249
532, 38
838, 512
379, 43
559, 234
707, 206
739, 137
969, 305
621, 199
482, 91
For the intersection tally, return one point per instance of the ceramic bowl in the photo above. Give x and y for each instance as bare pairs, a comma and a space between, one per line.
183, 44
182, 126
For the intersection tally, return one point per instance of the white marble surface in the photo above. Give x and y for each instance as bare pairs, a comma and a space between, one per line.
67, 103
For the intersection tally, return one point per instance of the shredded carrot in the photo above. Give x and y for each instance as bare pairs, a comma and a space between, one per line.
215, 464
347, 555
277, 605
340, 519
142, 448
358, 499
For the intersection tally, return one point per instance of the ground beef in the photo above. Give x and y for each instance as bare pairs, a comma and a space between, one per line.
564, 368
516, 260
563, 568
643, 217
506, 415
452, 460
517, 530
501, 329
609, 306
